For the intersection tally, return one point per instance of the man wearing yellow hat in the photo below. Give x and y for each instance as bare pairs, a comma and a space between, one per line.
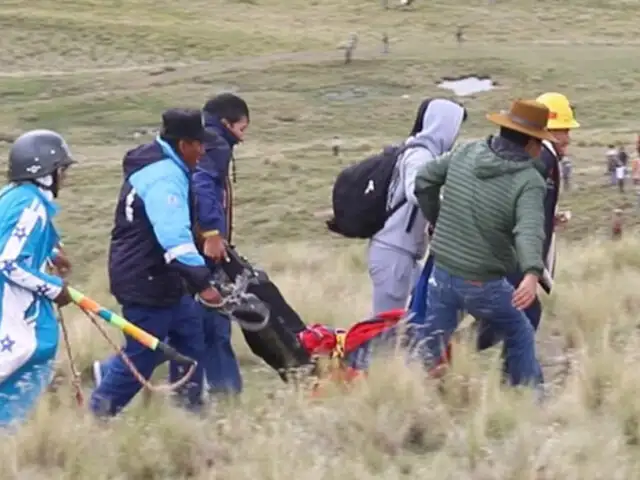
561, 122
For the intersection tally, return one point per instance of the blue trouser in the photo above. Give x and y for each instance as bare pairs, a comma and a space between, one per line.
181, 325
448, 295
20, 392
220, 364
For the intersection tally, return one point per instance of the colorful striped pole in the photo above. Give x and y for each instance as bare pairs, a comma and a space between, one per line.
128, 328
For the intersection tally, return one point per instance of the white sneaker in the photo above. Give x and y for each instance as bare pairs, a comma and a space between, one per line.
97, 373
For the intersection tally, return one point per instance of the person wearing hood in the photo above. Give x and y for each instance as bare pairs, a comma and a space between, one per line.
489, 222
154, 263
396, 250
227, 117
38, 161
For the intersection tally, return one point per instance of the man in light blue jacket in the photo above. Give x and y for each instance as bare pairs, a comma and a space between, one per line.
154, 265
28, 240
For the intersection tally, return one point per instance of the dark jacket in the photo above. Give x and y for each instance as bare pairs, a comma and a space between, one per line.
211, 186
551, 174
152, 252
623, 158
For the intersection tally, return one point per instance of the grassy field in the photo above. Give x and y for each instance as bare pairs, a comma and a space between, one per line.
102, 72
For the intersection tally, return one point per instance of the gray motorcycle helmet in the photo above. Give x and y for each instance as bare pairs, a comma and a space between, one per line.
36, 154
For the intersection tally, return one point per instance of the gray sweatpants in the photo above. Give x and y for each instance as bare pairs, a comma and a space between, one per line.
393, 274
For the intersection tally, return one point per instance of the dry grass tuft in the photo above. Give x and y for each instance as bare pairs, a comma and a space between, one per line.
396, 423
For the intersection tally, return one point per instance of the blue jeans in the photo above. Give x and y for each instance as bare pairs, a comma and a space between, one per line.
181, 325
487, 335
220, 363
491, 301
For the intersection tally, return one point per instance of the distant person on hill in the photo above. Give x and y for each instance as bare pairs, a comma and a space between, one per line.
29, 333
622, 156
227, 117
350, 48
396, 250
490, 220
560, 124
621, 168
612, 163
621, 173
635, 171
336, 143
616, 224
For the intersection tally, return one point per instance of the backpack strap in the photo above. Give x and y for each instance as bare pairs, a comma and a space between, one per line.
414, 210
396, 207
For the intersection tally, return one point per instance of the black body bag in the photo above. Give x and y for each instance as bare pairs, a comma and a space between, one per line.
277, 343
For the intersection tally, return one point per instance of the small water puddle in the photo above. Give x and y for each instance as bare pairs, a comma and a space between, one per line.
467, 85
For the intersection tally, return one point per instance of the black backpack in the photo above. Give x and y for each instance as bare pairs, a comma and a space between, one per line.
360, 195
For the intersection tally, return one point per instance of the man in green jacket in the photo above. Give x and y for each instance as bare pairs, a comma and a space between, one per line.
490, 222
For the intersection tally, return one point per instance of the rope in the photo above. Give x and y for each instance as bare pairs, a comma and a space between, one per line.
169, 387
76, 381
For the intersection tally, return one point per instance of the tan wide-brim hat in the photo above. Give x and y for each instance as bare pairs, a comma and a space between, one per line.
525, 116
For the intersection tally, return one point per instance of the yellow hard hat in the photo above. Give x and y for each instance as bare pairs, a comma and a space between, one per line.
560, 111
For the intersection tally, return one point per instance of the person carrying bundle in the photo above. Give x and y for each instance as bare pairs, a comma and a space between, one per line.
226, 118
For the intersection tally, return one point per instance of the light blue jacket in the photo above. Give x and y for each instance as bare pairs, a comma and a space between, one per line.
152, 242
28, 325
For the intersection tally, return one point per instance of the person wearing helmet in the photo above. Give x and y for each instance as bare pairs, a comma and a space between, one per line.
561, 122
28, 239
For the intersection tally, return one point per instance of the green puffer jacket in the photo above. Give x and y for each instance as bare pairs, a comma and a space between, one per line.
491, 220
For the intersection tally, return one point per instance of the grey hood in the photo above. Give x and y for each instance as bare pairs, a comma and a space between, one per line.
441, 122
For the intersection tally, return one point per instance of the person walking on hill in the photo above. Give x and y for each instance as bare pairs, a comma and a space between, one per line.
490, 220
635, 171
561, 122
612, 163
226, 116
153, 257
621, 168
621, 173
622, 156
394, 252
38, 161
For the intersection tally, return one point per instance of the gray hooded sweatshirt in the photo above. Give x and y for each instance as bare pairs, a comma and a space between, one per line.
441, 124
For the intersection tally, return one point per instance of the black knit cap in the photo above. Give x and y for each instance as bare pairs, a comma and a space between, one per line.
183, 124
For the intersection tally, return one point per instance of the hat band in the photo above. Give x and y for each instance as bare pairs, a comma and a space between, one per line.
523, 122
179, 136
